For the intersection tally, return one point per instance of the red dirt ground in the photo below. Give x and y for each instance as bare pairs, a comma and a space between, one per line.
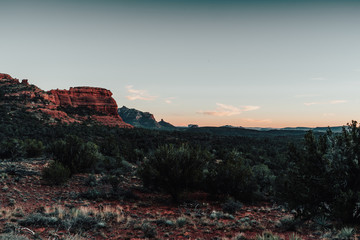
28, 193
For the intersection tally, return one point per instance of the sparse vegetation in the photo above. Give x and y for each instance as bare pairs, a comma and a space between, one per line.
148, 230
268, 236
231, 206
12, 236
173, 169
314, 178
55, 173
75, 154
346, 233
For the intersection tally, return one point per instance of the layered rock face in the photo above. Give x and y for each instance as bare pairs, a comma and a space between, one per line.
98, 99
78, 104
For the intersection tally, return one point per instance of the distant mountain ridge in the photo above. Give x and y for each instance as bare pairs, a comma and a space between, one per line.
315, 129
141, 119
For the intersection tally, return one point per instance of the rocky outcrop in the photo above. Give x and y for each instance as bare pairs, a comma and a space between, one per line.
5, 76
98, 99
167, 125
142, 119
76, 105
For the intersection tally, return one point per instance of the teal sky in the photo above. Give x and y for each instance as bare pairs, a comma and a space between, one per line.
244, 63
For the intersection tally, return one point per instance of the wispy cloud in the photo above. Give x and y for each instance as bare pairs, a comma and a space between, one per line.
169, 100
136, 94
312, 103
324, 103
250, 108
228, 110
338, 101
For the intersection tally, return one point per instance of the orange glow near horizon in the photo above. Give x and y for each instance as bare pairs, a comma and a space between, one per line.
277, 123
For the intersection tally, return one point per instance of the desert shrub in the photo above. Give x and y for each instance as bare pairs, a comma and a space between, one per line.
110, 147
55, 173
114, 182
264, 177
91, 181
11, 148
148, 230
267, 236
293, 236
240, 236
12, 236
94, 194
289, 223
230, 176
231, 206
33, 148
322, 223
181, 221
346, 233
74, 237
323, 178
39, 220
74, 153
307, 189
173, 169
82, 222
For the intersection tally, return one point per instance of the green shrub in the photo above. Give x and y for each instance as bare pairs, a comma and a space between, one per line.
323, 178
33, 148
173, 169
230, 177
289, 223
322, 223
264, 177
231, 206
293, 236
55, 174
93, 194
11, 148
91, 181
267, 236
114, 182
75, 154
148, 230
39, 220
82, 222
346, 233
181, 221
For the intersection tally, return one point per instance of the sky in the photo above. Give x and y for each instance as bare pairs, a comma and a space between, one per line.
254, 63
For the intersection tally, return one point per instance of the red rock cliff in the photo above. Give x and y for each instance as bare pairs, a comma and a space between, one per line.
98, 99
32, 99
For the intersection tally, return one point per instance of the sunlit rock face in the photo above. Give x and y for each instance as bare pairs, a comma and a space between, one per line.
78, 104
98, 99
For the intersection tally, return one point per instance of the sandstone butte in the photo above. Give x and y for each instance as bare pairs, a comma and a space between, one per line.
55, 102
